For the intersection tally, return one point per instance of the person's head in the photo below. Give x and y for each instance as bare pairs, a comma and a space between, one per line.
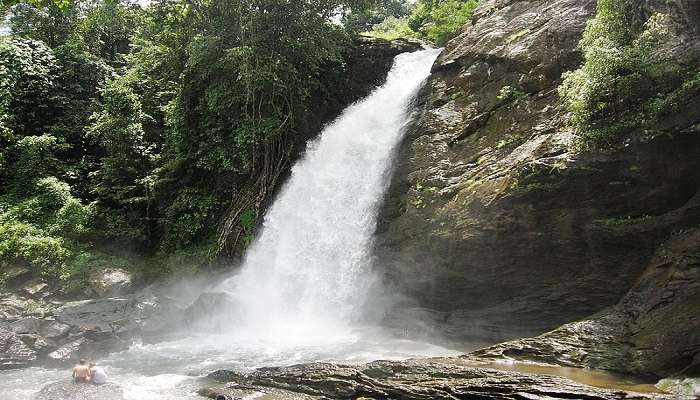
92, 364
221, 397
82, 361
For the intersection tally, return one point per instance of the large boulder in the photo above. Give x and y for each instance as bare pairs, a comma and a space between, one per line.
80, 391
37, 330
105, 314
37, 289
417, 380
97, 327
15, 276
14, 353
110, 282
56, 330
213, 312
13, 307
69, 352
30, 325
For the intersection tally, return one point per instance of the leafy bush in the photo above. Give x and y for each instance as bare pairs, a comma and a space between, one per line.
34, 158
625, 83
27, 70
439, 20
52, 208
362, 19
189, 217
39, 231
392, 28
508, 94
22, 243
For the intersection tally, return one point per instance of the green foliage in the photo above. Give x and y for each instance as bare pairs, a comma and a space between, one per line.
439, 20
625, 83
52, 208
27, 70
61, 4
418, 195
123, 184
51, 24
392, 28
189, 216
362, 19
433, 20
47, 98
509, 140
38, 231
22, 243
508, 94
79, 83
34, 158
248, 221
108, 27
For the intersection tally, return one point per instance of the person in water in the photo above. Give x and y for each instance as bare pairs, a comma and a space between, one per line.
98, 376
81, 372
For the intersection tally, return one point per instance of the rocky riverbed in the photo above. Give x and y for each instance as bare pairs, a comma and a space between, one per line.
413, 379
39, 327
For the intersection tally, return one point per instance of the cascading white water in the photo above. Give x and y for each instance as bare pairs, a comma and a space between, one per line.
306, 279
309, 270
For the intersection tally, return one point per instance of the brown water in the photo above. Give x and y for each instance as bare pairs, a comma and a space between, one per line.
587, 376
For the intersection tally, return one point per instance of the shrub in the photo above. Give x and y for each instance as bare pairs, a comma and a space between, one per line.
21, 243
439, 20
624, 82
189, 217
508, 94
37, 231
392, 28
34, 158
52, 208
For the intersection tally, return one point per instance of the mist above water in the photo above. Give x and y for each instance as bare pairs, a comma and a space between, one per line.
308, 276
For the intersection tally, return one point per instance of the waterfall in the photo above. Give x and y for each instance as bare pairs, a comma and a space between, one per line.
308, 274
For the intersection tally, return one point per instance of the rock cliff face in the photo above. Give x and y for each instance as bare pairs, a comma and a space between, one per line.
494, 229
654, 330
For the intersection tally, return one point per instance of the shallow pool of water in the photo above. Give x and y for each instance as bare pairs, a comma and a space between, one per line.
591, 377
173, 370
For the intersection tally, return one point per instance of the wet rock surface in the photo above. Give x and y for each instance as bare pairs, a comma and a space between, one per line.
14, 353
417, 379
36, 331
654, 330
80, 391
237, 391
